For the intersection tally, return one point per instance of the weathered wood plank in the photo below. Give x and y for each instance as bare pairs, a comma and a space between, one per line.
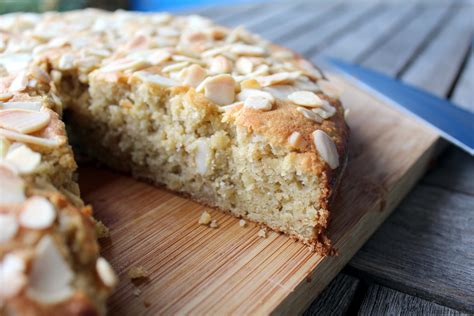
395, 53
336, 298
454, 170
359, 40
384, 301
436, 67
298, 21
425, 248
265, 15
316, 36
464, 91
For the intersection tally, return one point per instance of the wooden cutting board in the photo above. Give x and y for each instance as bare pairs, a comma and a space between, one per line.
230, 270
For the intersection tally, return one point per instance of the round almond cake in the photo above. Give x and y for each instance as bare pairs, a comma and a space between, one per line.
217, 114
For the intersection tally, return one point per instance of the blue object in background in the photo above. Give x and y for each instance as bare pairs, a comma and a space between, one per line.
170, 5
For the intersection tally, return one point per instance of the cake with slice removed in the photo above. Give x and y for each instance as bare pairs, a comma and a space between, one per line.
217, 114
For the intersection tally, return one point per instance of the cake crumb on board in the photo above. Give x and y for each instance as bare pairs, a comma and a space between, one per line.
137, 272
205, 218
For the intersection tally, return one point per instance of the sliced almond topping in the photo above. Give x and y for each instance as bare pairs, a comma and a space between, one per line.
249, 84
23, 121
278, 78
66, 62
247, 50
13, 187
192, 76
244, 94
310, 114
295, 140
205, 218
326, 111
32, 105
305, 98
8, 227
37, 213
258, 103
155, 79
280, 91
326, 148
43, 142
230, 106
106, 273
19, 83
202, 156
244, 65
220, 89
123, 65
12, 272
4, 146
175, 66
329, 89
50, 276
309, 70
23, 158
5, 96
159, 57
220, 64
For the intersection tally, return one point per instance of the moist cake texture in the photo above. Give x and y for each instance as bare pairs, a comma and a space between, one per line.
217, 114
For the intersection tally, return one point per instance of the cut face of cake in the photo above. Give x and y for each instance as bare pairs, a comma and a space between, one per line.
217, 114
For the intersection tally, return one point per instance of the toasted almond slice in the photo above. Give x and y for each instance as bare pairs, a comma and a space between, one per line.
26, 105
278, 78
37, 213
43, 142
230, 106
244, 65
295, 140
305, 98
23, 121
280, 91
13, 187
220, 64
244, 94
5, 96
202, 156
247, 50
50, 276
309, 114
123, 65
220, 89
326, 148
4, 146
175, 66
19, 83
155, 79
23, 158
329, 89
66, 62
309, 70
192, 76
159, 57
249, 84
258, 103
105, 272
8, 227
12, 272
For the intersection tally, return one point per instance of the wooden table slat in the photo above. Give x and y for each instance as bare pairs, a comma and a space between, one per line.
357, 41
464, 91
336, 298
395, 53
297, 21
413, 252
384, 301
317, 35
436, 67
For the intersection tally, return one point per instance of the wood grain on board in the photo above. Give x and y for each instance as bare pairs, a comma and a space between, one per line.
230, 269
